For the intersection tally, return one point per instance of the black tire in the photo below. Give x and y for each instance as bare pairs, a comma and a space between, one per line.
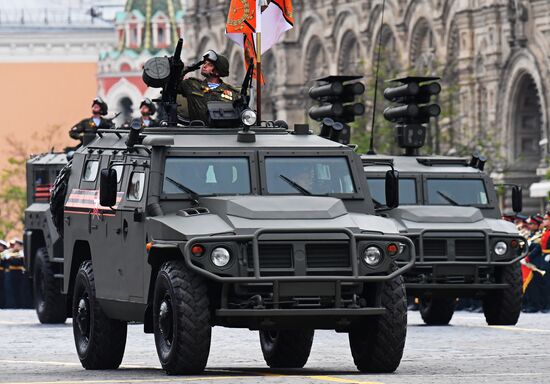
99, 340
377, 344
286, 348
437, 310
503, 307
49, 302
181, 319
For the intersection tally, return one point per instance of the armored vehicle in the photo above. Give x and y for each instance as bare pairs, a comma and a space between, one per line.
194, 228
183, 228
449, 208
276, 235
43, 245
450, 211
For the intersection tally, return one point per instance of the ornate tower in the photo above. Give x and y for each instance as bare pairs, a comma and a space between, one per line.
145, 28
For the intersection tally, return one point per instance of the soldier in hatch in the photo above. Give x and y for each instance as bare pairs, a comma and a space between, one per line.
147, 109
211, 88
86, 129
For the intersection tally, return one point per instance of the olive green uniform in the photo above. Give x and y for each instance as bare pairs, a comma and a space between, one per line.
198, 94
86, 129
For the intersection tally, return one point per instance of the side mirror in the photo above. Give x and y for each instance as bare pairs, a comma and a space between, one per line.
107, 187
392, 189
517, 199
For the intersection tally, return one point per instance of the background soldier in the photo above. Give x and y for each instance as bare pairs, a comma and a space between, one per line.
212, 88
86, 129
3, 248
148, 109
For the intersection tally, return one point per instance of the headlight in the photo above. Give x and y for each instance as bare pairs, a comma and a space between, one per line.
372, 255
248, 117
220, 257
500, 248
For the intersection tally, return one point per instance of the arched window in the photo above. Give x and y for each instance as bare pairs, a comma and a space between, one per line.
349, 61
125, 106
423, 49
527, 121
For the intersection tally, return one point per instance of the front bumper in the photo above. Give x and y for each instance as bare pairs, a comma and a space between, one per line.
458, 269
301, 234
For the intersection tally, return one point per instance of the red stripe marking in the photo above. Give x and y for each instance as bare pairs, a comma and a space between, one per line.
89, 213
88, 206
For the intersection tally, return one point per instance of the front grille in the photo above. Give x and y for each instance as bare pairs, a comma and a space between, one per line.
334, 255
435, 247
470, 249
434, 250
272, 256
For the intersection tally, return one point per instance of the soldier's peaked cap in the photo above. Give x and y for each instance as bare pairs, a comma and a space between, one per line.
536, 219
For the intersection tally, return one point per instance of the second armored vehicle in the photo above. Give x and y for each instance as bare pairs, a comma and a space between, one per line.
449, 208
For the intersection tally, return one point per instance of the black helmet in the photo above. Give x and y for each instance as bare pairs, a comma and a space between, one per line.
222, 65
103, 105
220, 62
150, 104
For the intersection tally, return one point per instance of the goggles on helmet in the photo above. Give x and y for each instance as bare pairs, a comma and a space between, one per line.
211, 56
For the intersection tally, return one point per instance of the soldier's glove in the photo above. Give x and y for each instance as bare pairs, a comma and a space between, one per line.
547, 258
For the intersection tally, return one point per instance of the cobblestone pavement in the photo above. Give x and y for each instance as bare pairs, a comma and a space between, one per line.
468, 351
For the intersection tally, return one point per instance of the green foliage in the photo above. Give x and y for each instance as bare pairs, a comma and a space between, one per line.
13, 197
384, 136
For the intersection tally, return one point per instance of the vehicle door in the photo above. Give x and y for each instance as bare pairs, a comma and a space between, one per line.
131, 242
95, 224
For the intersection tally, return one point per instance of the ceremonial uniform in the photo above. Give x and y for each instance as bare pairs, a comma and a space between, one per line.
86, 129
149, 123
199, 93
534, 266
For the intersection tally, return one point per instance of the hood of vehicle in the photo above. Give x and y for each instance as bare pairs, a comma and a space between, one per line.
437, 214
276, 207
246, 214
417, 218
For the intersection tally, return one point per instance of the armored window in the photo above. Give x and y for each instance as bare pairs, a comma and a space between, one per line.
119, 169
407, 190
456, 192
316, 175
136, 186
90, 171
207, 176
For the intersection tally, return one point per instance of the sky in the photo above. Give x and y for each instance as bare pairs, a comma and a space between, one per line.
56, 11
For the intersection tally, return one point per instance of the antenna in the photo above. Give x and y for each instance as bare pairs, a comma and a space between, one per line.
371, 146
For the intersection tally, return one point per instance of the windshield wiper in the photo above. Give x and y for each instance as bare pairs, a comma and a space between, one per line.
449, 199
194, 195
296, 186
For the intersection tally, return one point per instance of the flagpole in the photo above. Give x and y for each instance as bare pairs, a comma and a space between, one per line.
258, 77
259, 4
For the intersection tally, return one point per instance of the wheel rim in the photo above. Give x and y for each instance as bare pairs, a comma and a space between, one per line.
166, 320
83, 318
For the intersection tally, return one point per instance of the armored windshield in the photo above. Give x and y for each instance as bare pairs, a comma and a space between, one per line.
456, 192
407, 191
308, 175
207, 175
